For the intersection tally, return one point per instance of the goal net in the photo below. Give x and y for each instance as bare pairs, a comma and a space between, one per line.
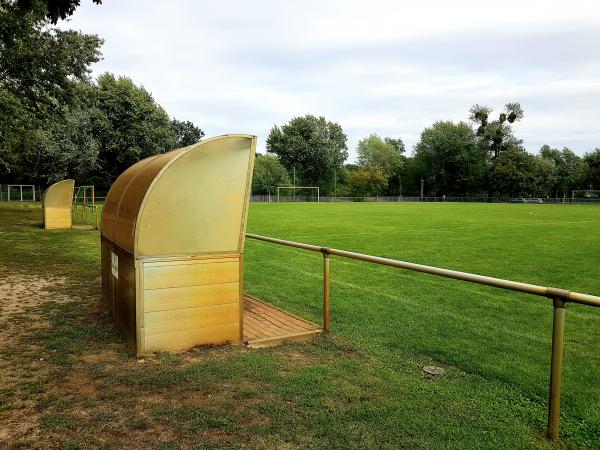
297, 193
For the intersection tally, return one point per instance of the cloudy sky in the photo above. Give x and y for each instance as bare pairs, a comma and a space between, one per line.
386, 67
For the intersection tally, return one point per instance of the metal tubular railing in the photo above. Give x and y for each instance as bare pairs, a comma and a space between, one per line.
559, 299
87, 213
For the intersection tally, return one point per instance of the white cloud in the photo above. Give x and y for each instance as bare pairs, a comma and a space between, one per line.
382, 66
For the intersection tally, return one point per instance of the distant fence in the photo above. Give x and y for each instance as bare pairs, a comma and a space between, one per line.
27, 192
397, 199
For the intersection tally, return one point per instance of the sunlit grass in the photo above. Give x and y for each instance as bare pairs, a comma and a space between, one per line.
360, 387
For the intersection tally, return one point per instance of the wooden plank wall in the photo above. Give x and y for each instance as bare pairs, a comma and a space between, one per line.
57, 218
190, 302
119, 294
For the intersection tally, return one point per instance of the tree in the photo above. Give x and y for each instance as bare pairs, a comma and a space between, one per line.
592, 171
40, 71
312, 146
41, 65
383, 154
186, 133
268, 174
450, 160
516, 173
14, 121
397, 143
411, 173
55, 122
130, 125
53, 9
64, 149
364, 182
570, 170
496, 135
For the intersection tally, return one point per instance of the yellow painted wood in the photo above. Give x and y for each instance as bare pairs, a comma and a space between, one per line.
181, 340
140, 308
180, 260
56, 205
277, 340
57, 218
170, 276
190, 318
190, 296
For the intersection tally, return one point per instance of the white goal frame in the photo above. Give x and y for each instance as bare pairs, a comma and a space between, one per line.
20, 192
298, 187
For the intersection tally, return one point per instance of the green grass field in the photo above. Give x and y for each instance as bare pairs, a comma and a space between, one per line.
362, 385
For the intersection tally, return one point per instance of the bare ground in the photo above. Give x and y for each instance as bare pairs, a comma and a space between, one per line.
20, 295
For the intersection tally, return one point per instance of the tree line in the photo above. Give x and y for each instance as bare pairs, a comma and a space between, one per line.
57, 122
478, 157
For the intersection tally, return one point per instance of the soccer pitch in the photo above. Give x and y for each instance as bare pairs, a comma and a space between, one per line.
409, 319
68, 378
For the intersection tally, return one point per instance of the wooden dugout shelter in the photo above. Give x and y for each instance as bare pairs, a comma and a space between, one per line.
56, 205
172, 238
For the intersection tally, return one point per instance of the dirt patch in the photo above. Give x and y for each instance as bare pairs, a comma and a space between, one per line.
21, 292
104, 356
21, 364
81, 384
83, 227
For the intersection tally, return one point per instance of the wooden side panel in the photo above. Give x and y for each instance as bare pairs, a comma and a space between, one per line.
190, 318
190, 302
201, 273
119, 293
190, 296
108, 297
55, 218
180, 340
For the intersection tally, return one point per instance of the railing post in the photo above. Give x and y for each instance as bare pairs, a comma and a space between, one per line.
326, 286
558, 333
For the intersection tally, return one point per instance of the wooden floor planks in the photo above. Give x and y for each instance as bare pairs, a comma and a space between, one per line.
266, 325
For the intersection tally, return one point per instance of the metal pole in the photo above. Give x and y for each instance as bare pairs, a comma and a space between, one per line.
93, 196
422, 187
326, 288
21, 188
558, 334
33, 193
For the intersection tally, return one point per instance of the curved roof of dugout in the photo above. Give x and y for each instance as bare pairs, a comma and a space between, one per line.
59, 195
189, 201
